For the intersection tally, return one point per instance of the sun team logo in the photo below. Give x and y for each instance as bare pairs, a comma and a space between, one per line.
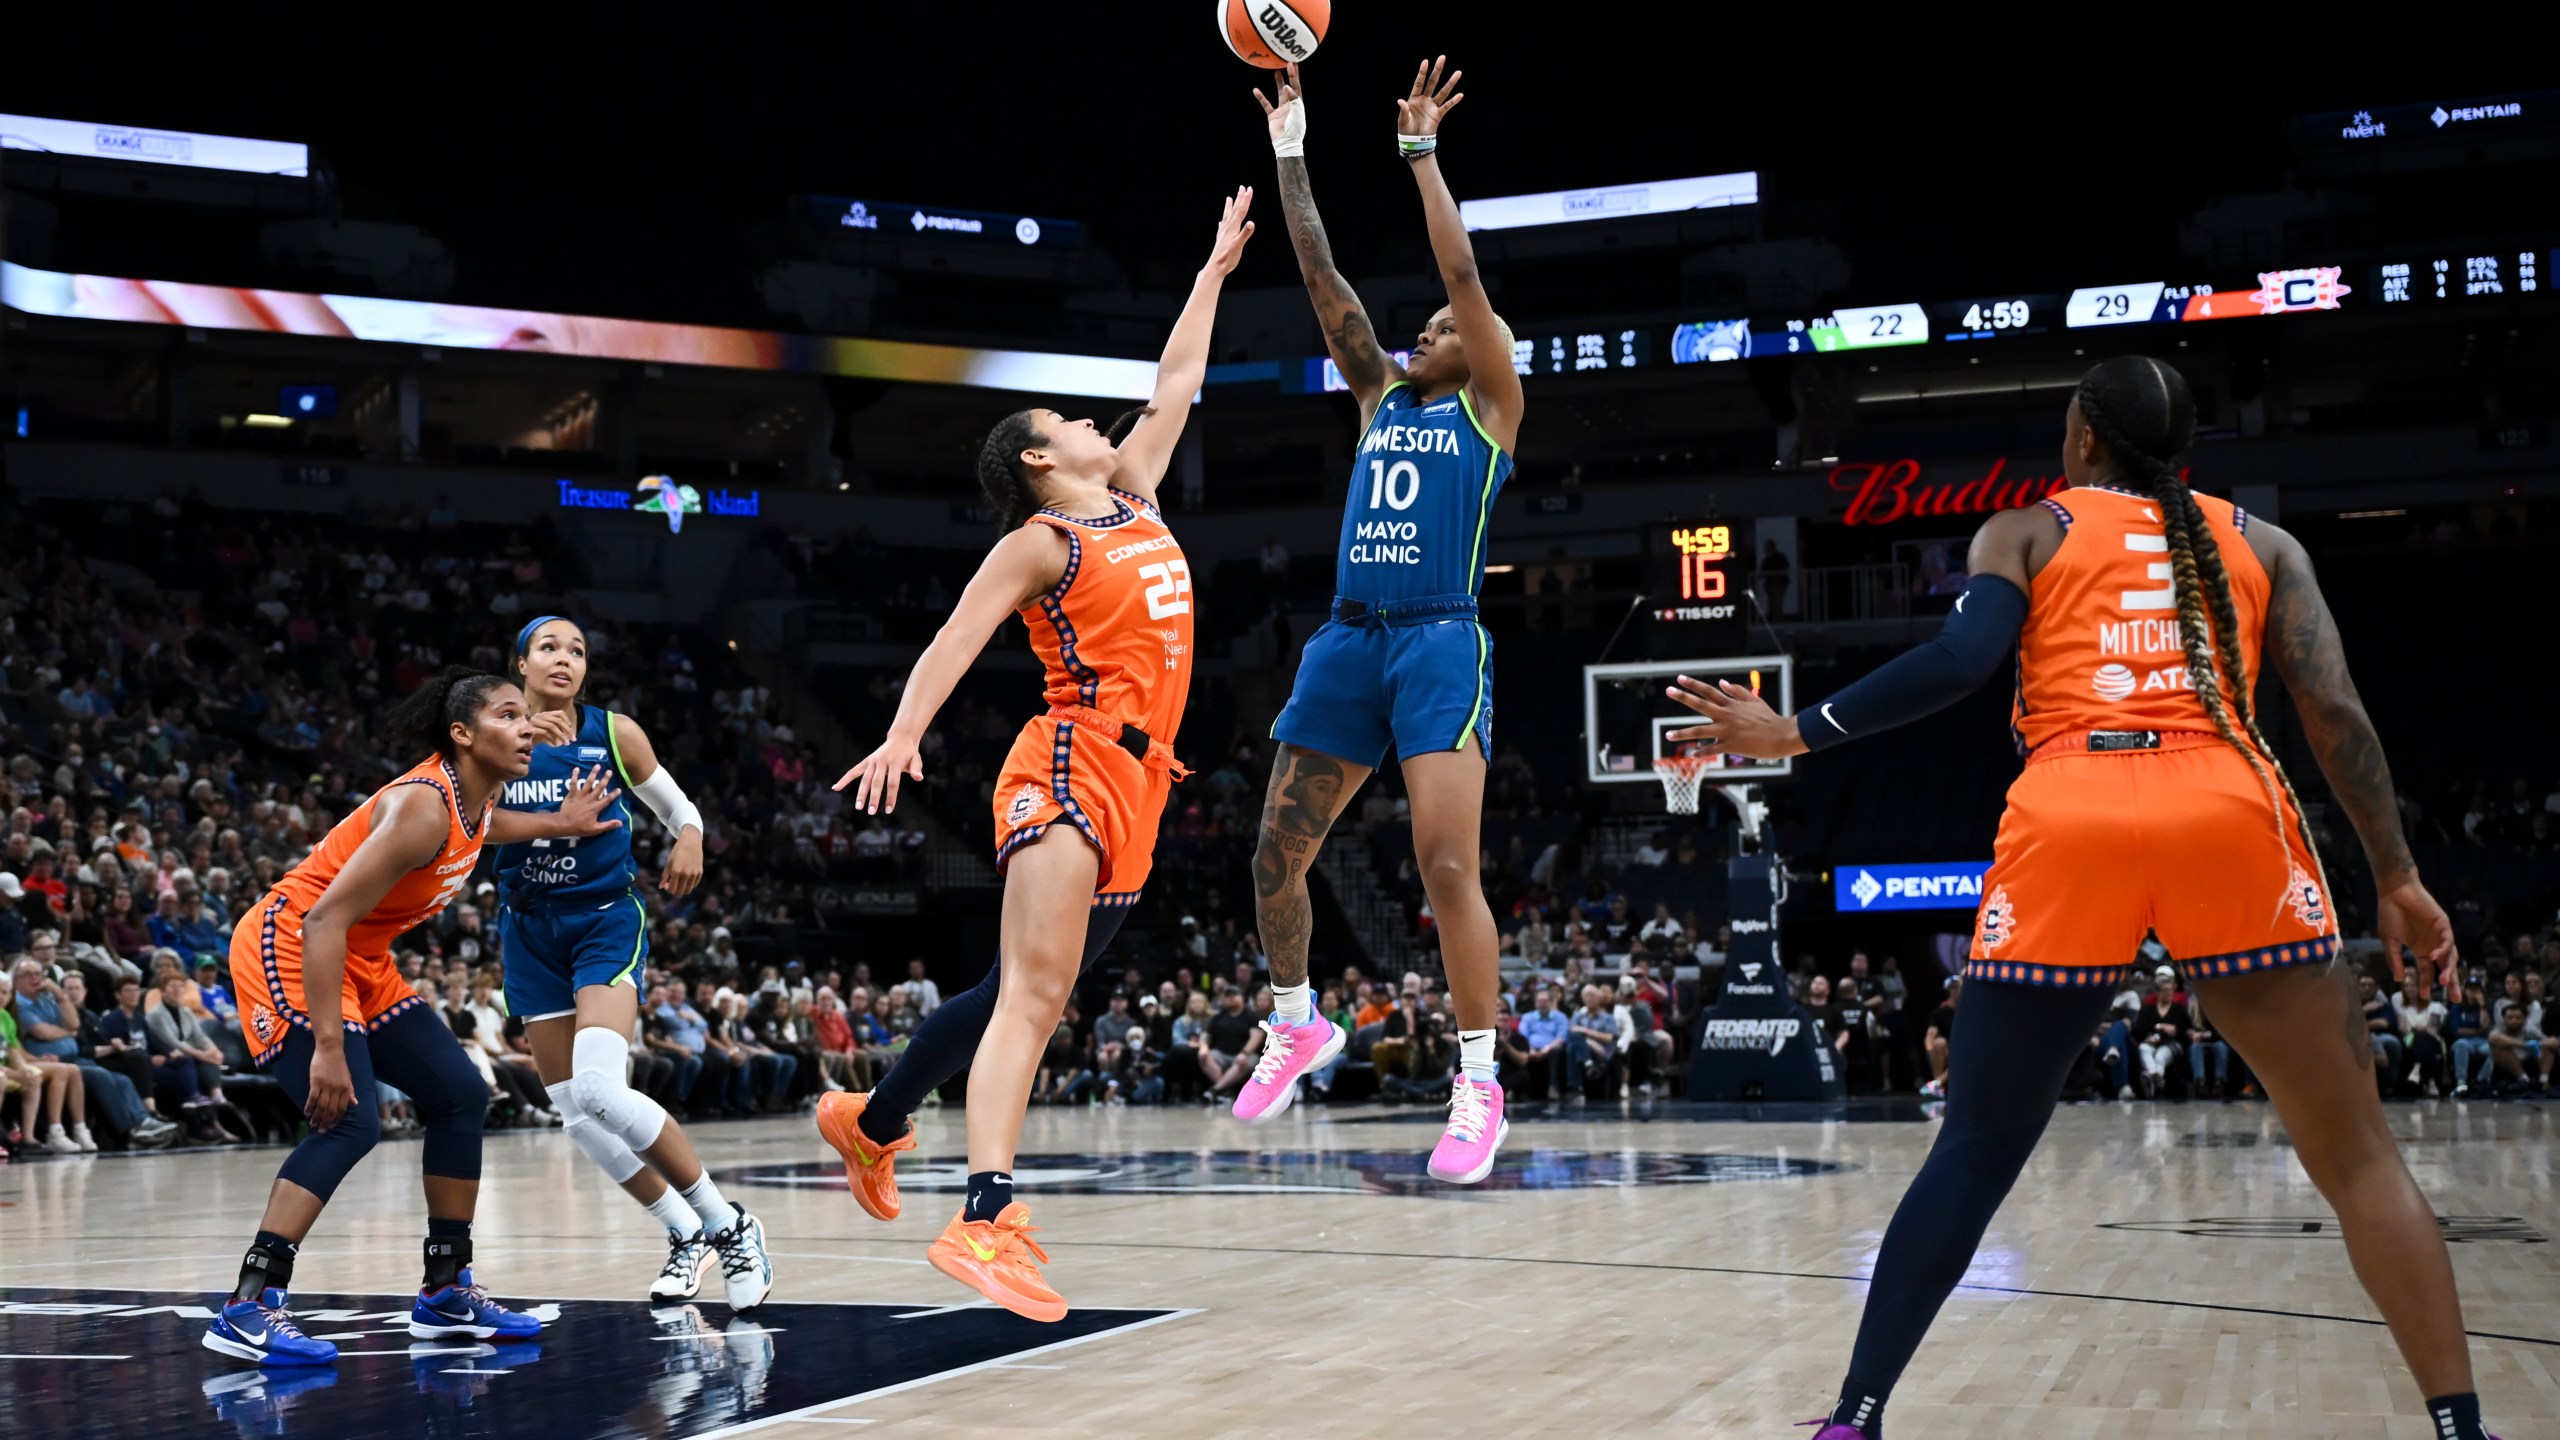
1025, 801
1998, 920
263, 1021
2303, 894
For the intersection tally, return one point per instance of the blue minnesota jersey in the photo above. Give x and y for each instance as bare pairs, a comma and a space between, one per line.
588, 869
1422, 489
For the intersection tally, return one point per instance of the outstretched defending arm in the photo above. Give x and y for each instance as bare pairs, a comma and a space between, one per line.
1919, 681
1348, 336
1149, 448
1022, 565
1491, 381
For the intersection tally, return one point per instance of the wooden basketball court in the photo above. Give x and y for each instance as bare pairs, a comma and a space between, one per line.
2162, 1270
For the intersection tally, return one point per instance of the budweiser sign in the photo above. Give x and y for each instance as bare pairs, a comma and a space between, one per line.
1882, 492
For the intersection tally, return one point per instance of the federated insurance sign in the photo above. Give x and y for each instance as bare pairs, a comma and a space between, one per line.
1956, 885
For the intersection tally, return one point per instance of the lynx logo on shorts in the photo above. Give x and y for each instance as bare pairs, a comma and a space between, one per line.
1025, 801
263, 1021
1998, 919
2303, 894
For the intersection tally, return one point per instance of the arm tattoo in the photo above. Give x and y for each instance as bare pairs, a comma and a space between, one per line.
1306, 792
1346, 325
2304, 642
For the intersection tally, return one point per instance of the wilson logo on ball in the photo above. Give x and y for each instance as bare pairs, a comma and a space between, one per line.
1273, 34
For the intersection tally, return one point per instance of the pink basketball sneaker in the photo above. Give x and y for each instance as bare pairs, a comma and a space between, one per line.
1476, 1130
1288, 1052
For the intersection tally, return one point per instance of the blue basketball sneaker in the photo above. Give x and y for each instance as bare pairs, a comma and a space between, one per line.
463, 1308
262, 1330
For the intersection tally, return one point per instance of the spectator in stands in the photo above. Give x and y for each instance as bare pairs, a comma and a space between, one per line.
193, 1063
1062, 1067
1939, 1039
2515, 1057
1596, 1045
1648, 1045
181, 925
128, 935
212, 994
1533, 941
928, 996
2382, 1022
2208, 1058
47, 1030
769, 1070
117, 1080
657, 1035
2160, 1030
833, 1034
1662, 939
2422, 1020
1428, 1063
1186, 1071
1230, 1044
2467, 1021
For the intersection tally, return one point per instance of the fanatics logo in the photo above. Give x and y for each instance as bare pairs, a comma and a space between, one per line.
1998, 920
1025, 801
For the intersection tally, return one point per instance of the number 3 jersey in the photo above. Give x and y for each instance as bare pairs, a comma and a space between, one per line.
266, 946
1115, 633
1422, 488
2101, 649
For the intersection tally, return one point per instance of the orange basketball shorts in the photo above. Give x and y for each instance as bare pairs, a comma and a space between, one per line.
2099, 850
266, 980
1062, 772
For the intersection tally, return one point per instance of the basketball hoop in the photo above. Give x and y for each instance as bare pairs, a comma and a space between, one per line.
1680, 775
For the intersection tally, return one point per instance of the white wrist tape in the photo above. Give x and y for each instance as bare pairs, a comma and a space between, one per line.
666, 800
1292, 139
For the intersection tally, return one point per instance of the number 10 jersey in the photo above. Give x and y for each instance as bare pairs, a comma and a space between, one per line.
1422, 487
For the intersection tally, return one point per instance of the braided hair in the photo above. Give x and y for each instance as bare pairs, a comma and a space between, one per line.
425, 718
2143, 413
1003, 477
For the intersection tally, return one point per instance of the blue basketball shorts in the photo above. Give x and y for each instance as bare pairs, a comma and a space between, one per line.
1416, 688
552, 952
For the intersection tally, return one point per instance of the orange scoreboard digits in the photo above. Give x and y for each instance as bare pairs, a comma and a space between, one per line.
1689, 578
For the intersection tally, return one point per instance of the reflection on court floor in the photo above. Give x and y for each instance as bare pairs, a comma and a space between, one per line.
1345, 1172
79, 1363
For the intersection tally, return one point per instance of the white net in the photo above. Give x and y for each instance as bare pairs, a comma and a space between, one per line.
1680, 776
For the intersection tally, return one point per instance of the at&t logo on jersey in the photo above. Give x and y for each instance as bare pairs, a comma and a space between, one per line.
2116, 682
1999, 920
2303, 894
2112, 682
1026, 803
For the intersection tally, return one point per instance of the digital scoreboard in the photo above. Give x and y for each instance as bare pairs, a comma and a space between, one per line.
1694, 580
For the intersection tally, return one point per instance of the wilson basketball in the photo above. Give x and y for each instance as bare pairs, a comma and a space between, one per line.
1273, 34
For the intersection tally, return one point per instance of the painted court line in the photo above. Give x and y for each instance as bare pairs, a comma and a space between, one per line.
811, 1412
65, 1357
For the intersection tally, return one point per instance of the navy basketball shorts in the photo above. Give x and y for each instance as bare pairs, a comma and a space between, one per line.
551, 952
1365, 689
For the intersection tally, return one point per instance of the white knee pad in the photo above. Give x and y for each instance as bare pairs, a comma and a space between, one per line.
601, 1145
600, 1065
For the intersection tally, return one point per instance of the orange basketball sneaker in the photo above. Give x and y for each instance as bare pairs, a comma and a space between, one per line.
870, 1168
989, 1257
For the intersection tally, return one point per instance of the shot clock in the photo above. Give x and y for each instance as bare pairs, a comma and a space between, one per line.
1694, 585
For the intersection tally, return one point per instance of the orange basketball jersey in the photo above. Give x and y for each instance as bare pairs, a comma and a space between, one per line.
266, 946
2101, 648
1115, 635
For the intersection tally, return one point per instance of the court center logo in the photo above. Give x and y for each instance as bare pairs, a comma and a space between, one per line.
1351, 1172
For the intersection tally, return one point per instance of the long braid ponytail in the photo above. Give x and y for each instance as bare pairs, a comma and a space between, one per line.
2143, 413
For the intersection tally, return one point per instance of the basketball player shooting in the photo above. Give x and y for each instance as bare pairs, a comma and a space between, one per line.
1403, 664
